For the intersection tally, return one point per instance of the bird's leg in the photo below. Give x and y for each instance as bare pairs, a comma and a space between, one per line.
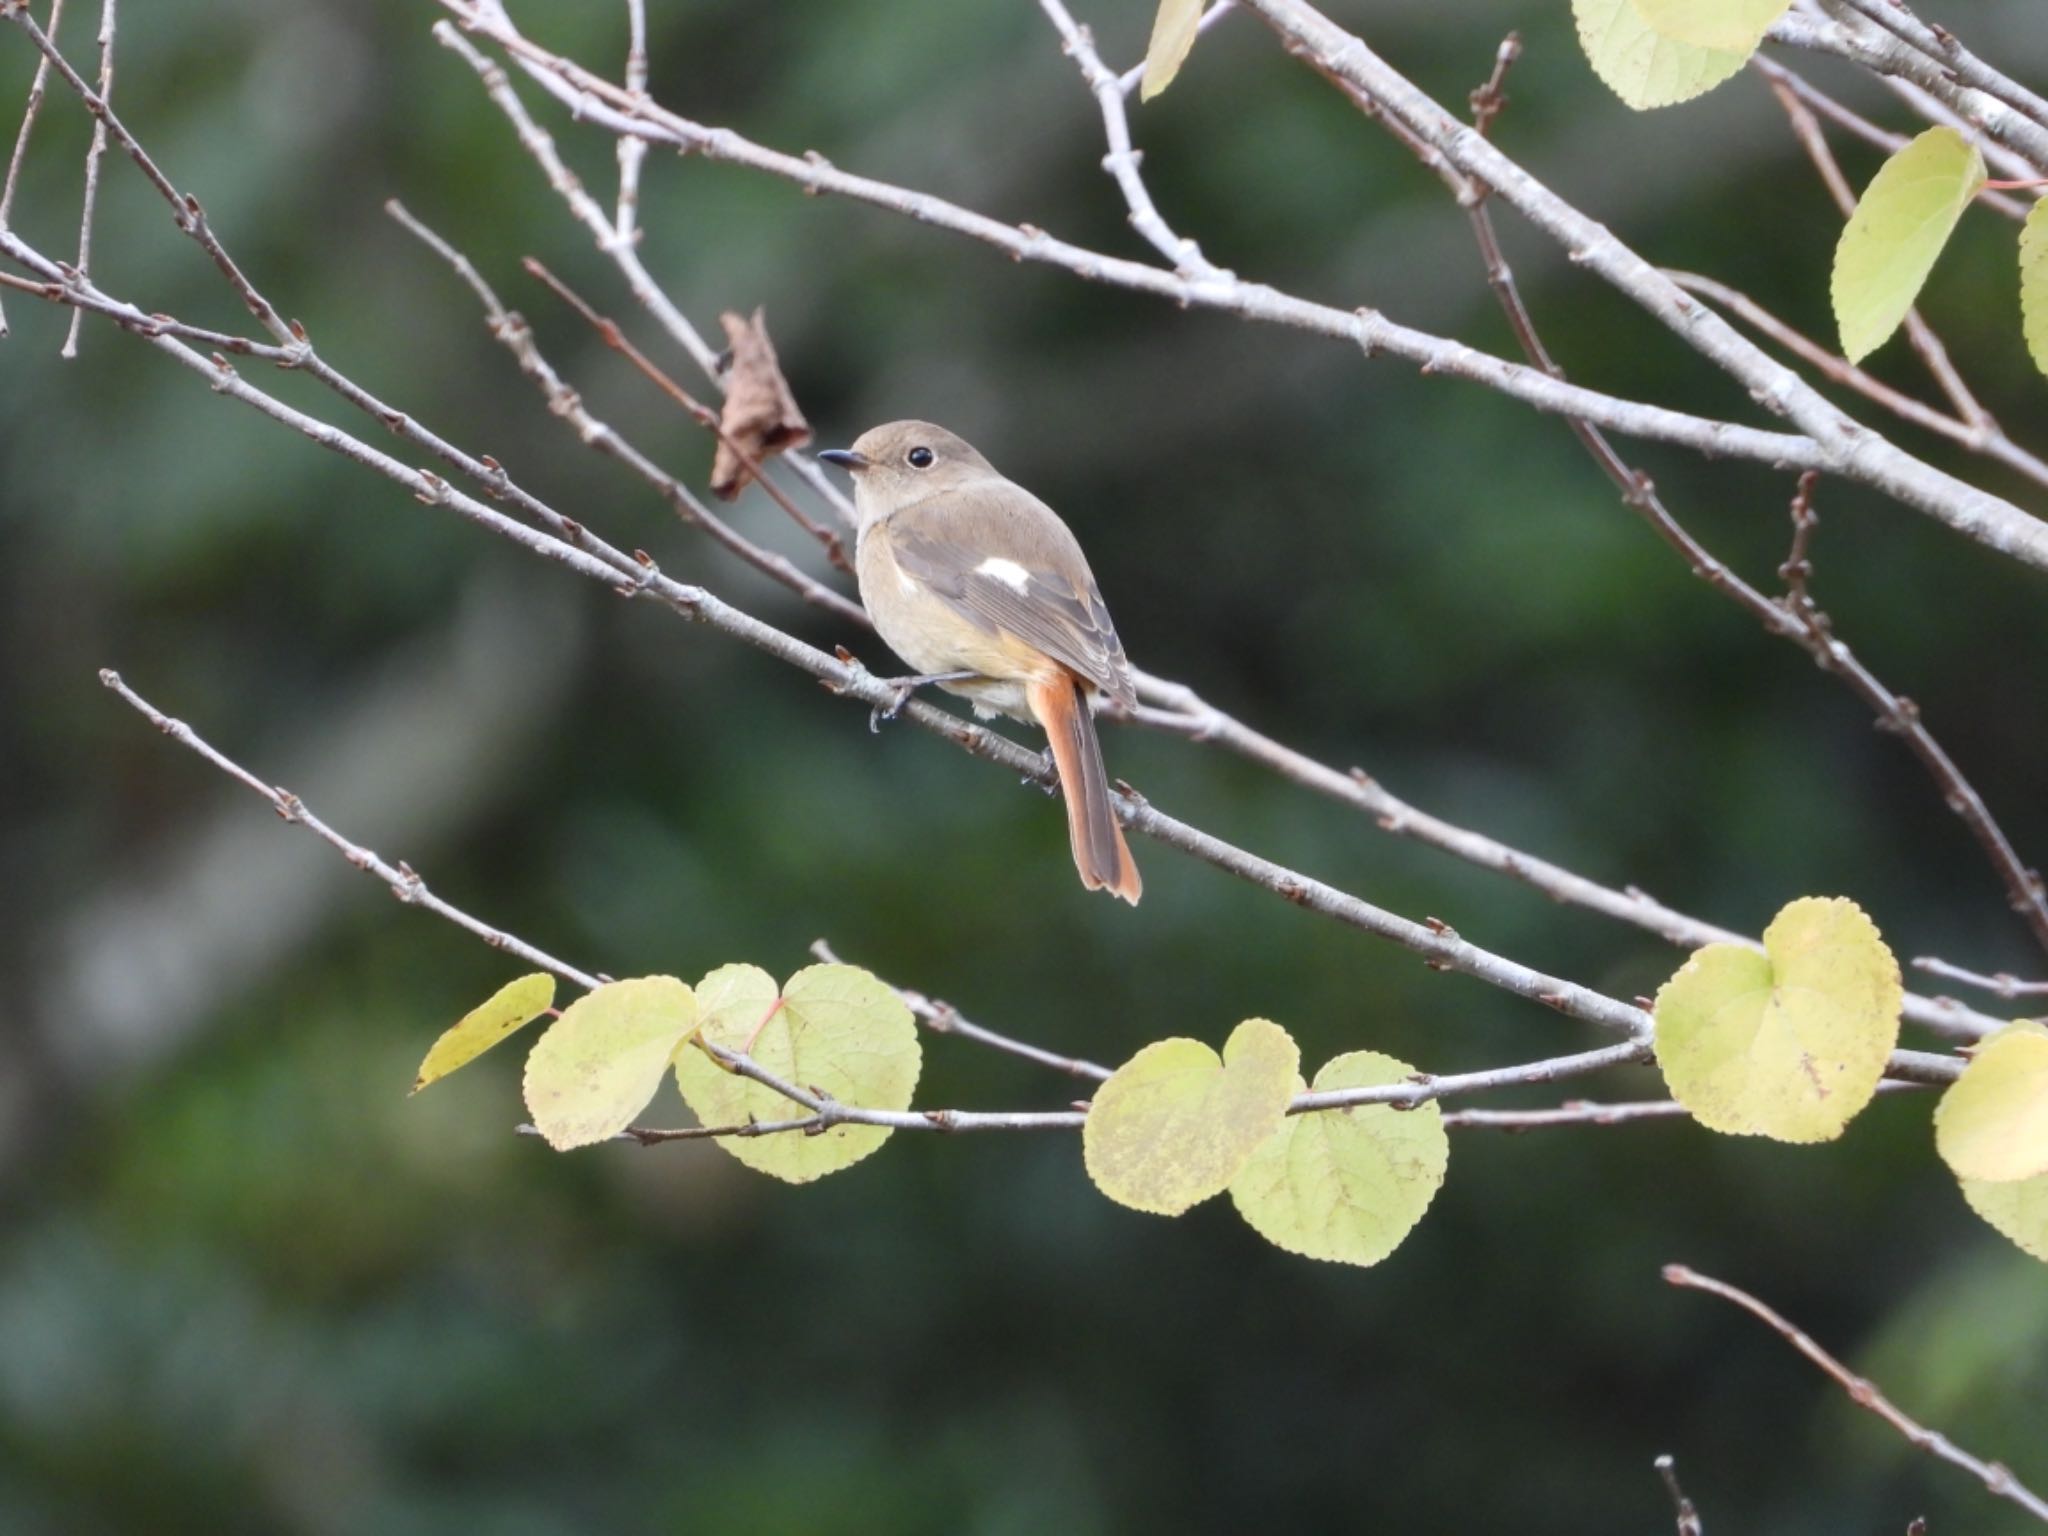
904, 687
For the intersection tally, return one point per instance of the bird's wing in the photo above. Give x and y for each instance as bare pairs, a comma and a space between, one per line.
1004, 561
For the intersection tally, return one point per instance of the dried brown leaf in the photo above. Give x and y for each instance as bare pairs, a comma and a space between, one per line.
761, 416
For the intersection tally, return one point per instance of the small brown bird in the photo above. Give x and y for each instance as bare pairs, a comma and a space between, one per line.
978, 584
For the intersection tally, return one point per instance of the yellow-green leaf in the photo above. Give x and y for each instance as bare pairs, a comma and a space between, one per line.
1789, 1043
2016, 1207
600, 1062
510, 1008
838, 1030
1734, 24
1891, 241
1173, 34
1346, 1184
1640, 64
2034, 283
1176, 1122
1992, 1122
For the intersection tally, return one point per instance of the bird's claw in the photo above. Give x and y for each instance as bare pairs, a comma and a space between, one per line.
889, 711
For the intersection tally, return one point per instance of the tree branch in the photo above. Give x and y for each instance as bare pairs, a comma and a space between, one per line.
568, 542
1848, 448
1864, 1393
601, 102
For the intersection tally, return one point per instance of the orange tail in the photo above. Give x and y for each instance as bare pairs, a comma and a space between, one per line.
1100, 852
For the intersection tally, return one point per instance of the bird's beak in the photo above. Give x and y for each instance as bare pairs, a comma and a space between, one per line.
845, 458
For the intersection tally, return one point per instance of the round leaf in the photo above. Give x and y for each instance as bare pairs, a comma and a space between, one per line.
1734, 24
1640, 64
1346, 1185
600, 1062
1992, 1122
838, 1031
1175, 1123
1173, 34
2016, 1207
2034, 283
1790, 1043
1901, 223
510, 1008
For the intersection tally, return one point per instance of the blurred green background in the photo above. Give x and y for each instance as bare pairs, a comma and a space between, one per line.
245, 1285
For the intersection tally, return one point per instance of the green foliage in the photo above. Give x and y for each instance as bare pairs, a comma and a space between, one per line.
2034, 283
1790, 1043
1173, 34
1730, 24
1900, 225
834, 1029
1643, 66
1992, 1123
509, 1009
600, 1062
1346, 1185
1176, 1122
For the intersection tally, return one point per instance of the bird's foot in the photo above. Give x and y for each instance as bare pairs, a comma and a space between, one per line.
901, 688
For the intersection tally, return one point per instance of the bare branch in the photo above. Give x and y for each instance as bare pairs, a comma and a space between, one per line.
511, 329
2026, 892
1122, 160
1983, 432
632, 152
407, 886
93, 155
1982, 435
824, 1111
1688, 1517
29, 113
1824, 105
573, 545
599, 101
1850, 449
608, 331
1856, 38
2002, 983
624, 254
942, 1018
1864, 1393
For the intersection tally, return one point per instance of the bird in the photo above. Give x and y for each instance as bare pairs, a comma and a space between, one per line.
984, 590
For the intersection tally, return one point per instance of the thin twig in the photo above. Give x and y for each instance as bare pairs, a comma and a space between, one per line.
1864, 1393
609, 333
600, 102
1806, 628
1689, 1523
511, 329
1877, 137
624, 254
2026, 892
1983, 435
1122, 160
1854, 451
2001, 982
93, 155
825, 1112
632, 152
1954, 62
29, 113
1860, 41
1983, 430
942, 1018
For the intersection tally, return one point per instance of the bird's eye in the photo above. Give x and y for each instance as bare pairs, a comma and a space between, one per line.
920, 458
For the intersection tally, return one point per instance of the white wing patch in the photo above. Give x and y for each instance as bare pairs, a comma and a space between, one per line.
1008, 572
